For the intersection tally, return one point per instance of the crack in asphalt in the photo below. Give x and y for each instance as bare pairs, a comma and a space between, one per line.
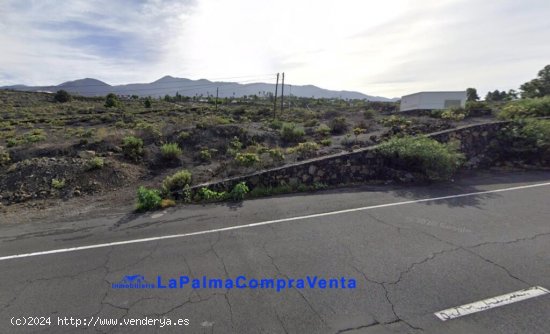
531, 238
425, 260
281, 322
213, 248
297, 290
386, 295
358, 327
469, 248
433, 255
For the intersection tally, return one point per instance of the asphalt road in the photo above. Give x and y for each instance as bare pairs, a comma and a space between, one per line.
409, 260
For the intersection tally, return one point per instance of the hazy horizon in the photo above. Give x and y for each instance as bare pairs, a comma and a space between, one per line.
384, 49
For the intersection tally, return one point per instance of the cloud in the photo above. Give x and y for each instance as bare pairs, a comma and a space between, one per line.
110, 40
386, 48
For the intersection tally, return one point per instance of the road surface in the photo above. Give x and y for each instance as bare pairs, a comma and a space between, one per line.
411, 251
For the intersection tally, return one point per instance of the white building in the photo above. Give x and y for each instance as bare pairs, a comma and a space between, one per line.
433, 100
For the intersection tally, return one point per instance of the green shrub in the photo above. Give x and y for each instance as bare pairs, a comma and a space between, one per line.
62, 96
13, 142
58, 183
96, 163
147, 103
326, 142
4, 157
276, 124
206, 194
395, 121
112, 101
369, 114
148, 199
235, 143
132, 147
454, 114
323, 130
424, 155
436, 113
176, 182
305, 150
205, 155
148, 131
276, 154
338, 125
34, 136
535, 107
537, 131
170, 151
292, 133
477, 106
239, 191
184, 135
526, 140
311, 122
247, 159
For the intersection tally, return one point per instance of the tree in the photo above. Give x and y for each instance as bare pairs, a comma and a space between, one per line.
471, 94
62, 96
512, 95
111, 101
539, 86
496, 95
147, 103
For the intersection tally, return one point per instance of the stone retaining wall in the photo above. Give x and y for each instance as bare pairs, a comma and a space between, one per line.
363, 164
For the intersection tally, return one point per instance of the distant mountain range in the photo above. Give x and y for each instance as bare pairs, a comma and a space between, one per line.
186, 87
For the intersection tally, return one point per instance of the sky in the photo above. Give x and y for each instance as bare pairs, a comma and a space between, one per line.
386, 48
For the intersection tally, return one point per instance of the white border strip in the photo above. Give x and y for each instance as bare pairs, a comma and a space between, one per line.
268, 222
486, 304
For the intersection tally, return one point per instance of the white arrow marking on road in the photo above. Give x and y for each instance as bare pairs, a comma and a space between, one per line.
268, 222
486, 304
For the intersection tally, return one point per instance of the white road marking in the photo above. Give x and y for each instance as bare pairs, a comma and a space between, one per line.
268, 222
489, 303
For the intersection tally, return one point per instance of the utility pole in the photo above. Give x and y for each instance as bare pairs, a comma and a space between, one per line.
216, 98
290, 98
282, 92
275, 98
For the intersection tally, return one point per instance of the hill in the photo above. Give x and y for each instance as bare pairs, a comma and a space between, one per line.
187, 87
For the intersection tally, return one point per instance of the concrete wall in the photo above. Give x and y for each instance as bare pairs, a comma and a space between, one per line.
431, 100
363, 164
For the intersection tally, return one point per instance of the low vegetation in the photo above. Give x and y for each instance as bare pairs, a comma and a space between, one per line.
247, 159
148, 199
96, 163
176, 181
292, 133
4, 157
229, 137
435, 160
305, 150
58, 183
454, 114
170, 151
525, 140
132, 147
530, 107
